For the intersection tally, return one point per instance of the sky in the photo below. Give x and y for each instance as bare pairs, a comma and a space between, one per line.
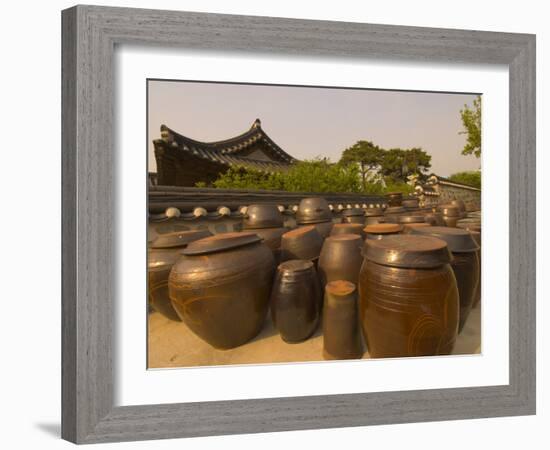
308, 122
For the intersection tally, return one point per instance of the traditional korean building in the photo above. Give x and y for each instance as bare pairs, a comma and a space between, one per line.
182, 161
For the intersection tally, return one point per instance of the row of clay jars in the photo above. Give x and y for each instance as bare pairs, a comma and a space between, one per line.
409, 302
220, 287
465, 263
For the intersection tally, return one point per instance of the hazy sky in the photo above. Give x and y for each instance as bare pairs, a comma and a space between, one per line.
310, 122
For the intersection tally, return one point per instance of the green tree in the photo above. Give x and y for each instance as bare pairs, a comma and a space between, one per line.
471, 121
398, 163
366, 155
472, 178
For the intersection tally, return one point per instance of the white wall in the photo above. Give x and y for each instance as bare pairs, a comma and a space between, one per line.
30, 127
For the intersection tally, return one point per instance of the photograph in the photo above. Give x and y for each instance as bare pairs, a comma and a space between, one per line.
292, 224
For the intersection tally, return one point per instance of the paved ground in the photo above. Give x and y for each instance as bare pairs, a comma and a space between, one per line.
172, 344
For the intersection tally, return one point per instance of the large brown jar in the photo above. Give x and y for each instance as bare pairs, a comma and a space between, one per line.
341, 329
465, 263
161, 256
410, 203
340, 258
296, 300
220, 287
408, 297
263, 215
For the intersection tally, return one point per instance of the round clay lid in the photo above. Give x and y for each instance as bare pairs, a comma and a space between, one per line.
410, 219
383, 228
295, 265
346, 228
219, 242
340, 288
469, 224
179, 238
408, 251
458, 240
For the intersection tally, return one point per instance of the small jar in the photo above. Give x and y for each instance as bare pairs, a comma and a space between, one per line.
341, 329
296, 300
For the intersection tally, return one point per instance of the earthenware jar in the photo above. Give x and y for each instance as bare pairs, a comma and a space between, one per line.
313, 210
353, 215
301, 243
161, 256
341, 329
394, 198
408, 298
264, 215
451, 214
323, 228
348, 228
340, 258
465, 263
460, 205
373, 215
381, 230
410, 203
220, 287
296, 300
394, 210
473, 225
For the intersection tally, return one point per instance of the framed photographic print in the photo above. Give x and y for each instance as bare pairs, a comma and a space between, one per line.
257, 209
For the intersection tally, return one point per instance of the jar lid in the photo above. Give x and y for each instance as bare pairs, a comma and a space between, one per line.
458, 240
179, 238
295, 265
408, 251
219, 242
411, 219
353, 212
469, 224
383, 228
347, 228
340, 288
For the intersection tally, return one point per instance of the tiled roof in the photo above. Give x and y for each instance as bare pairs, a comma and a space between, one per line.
229, 152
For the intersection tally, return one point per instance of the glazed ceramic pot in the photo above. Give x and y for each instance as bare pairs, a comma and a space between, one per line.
354, 215
302, 243
410, 203
163, 252
473, 225
394, 199
408, 298
394, 210
465, 263
341, 329
265, 215
381, 230
451, 214
348, 228
313, 210
296, 300
220, 287
470, 224
460, 205
340, 258
373, 215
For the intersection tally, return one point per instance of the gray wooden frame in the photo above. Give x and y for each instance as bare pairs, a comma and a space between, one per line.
89, 37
